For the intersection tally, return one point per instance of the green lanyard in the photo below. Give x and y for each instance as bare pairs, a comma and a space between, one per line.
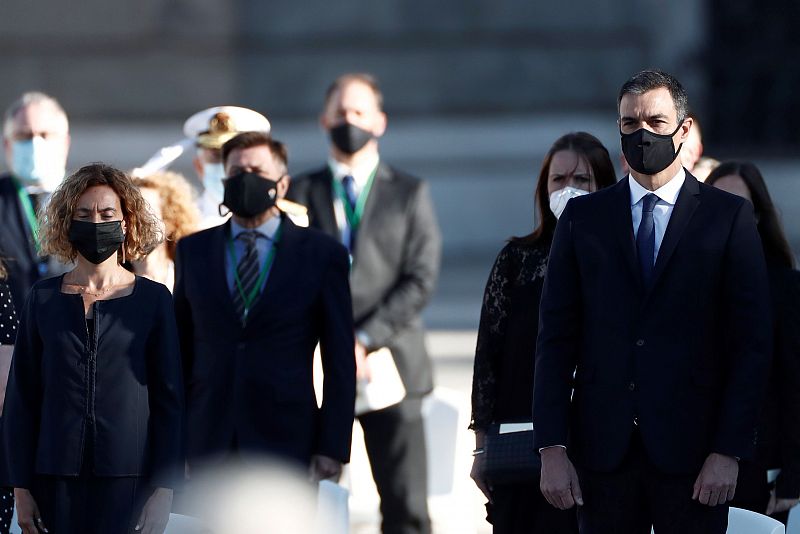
30, 214
354, 215
262, 277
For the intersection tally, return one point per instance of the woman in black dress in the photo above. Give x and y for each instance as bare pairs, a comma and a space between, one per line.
8, 333
502, 386
778, 437
95, 399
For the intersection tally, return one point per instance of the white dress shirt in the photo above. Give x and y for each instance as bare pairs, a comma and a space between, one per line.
667, 196
360, 176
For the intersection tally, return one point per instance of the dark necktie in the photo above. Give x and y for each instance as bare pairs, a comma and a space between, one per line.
247, 271
349, 184
646, 239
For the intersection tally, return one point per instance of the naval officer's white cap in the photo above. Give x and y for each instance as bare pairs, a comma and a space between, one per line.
212, 127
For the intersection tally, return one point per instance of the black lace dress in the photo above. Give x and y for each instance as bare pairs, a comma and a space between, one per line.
502, 383
8, 333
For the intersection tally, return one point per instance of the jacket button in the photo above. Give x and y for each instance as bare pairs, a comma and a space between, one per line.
632, 386
640, 342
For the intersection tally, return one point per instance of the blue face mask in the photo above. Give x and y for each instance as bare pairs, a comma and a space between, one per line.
37, 162
213, 173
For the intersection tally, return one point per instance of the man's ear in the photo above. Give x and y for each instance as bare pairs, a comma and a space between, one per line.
685, 127
283, 185
380, 125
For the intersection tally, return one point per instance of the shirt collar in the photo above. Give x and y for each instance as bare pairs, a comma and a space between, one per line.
267, 229
667, 192
360, 174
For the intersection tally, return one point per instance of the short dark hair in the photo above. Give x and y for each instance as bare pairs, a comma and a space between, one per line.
773, 240
650, 79
252, 139
367, 79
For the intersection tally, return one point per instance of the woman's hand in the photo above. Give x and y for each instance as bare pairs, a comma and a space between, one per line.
476, 474
155, 513
28, 517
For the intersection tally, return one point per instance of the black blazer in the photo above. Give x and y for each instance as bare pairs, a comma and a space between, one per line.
395, 264
122, 402
253, 385
687, 358
17, 249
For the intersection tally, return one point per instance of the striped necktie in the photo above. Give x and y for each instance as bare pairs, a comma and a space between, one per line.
247, 270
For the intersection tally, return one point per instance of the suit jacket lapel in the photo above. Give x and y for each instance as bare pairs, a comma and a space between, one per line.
321, 200
377, 197
685, 206
624, 228
219, 249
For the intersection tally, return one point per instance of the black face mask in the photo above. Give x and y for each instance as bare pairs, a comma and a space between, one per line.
647, 152
96, 241
248, 194
349, 138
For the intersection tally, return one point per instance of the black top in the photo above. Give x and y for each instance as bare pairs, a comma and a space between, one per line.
118, 395
502, 382
779, 430
8, 318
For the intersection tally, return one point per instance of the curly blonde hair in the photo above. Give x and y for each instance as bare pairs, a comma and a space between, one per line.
178, 208
142, 235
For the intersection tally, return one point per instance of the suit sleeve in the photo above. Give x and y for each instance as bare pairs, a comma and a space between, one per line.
417, 277
787, 373
165, 390
23, 401
746, 316
338, 360
558, 340
183, 313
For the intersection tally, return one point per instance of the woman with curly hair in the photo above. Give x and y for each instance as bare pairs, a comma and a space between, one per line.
95, 401
170, 198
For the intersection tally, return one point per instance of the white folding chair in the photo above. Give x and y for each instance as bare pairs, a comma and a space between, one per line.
746, 522
178, 524
333, 516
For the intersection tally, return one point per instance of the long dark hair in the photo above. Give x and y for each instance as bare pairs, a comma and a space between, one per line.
776, 247
587, 147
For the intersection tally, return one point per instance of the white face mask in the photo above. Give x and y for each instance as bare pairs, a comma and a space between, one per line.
213, 173
37, 162
558, 199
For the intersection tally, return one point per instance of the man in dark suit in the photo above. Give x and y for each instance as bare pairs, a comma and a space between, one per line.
386, 219
36, 144
253, 297
657, 298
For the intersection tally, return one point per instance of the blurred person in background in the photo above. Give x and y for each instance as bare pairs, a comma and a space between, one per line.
386, 219
502, 382
170, 197
36, 143
703, 167
778, 441
210, 129
8, 334
94, 406
253, 297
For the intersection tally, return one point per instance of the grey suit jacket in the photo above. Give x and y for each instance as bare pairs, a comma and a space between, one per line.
395, 262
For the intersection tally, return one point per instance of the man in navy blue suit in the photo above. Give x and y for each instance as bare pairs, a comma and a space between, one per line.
253, 298
657, 299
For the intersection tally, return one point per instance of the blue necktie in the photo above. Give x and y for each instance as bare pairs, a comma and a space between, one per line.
349, 184
646, 239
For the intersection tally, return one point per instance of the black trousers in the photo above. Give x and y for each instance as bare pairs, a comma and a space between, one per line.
89, 504
522, 509
637, 496
395, 443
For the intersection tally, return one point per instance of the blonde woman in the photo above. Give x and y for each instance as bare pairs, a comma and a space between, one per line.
95, 400
171, 201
